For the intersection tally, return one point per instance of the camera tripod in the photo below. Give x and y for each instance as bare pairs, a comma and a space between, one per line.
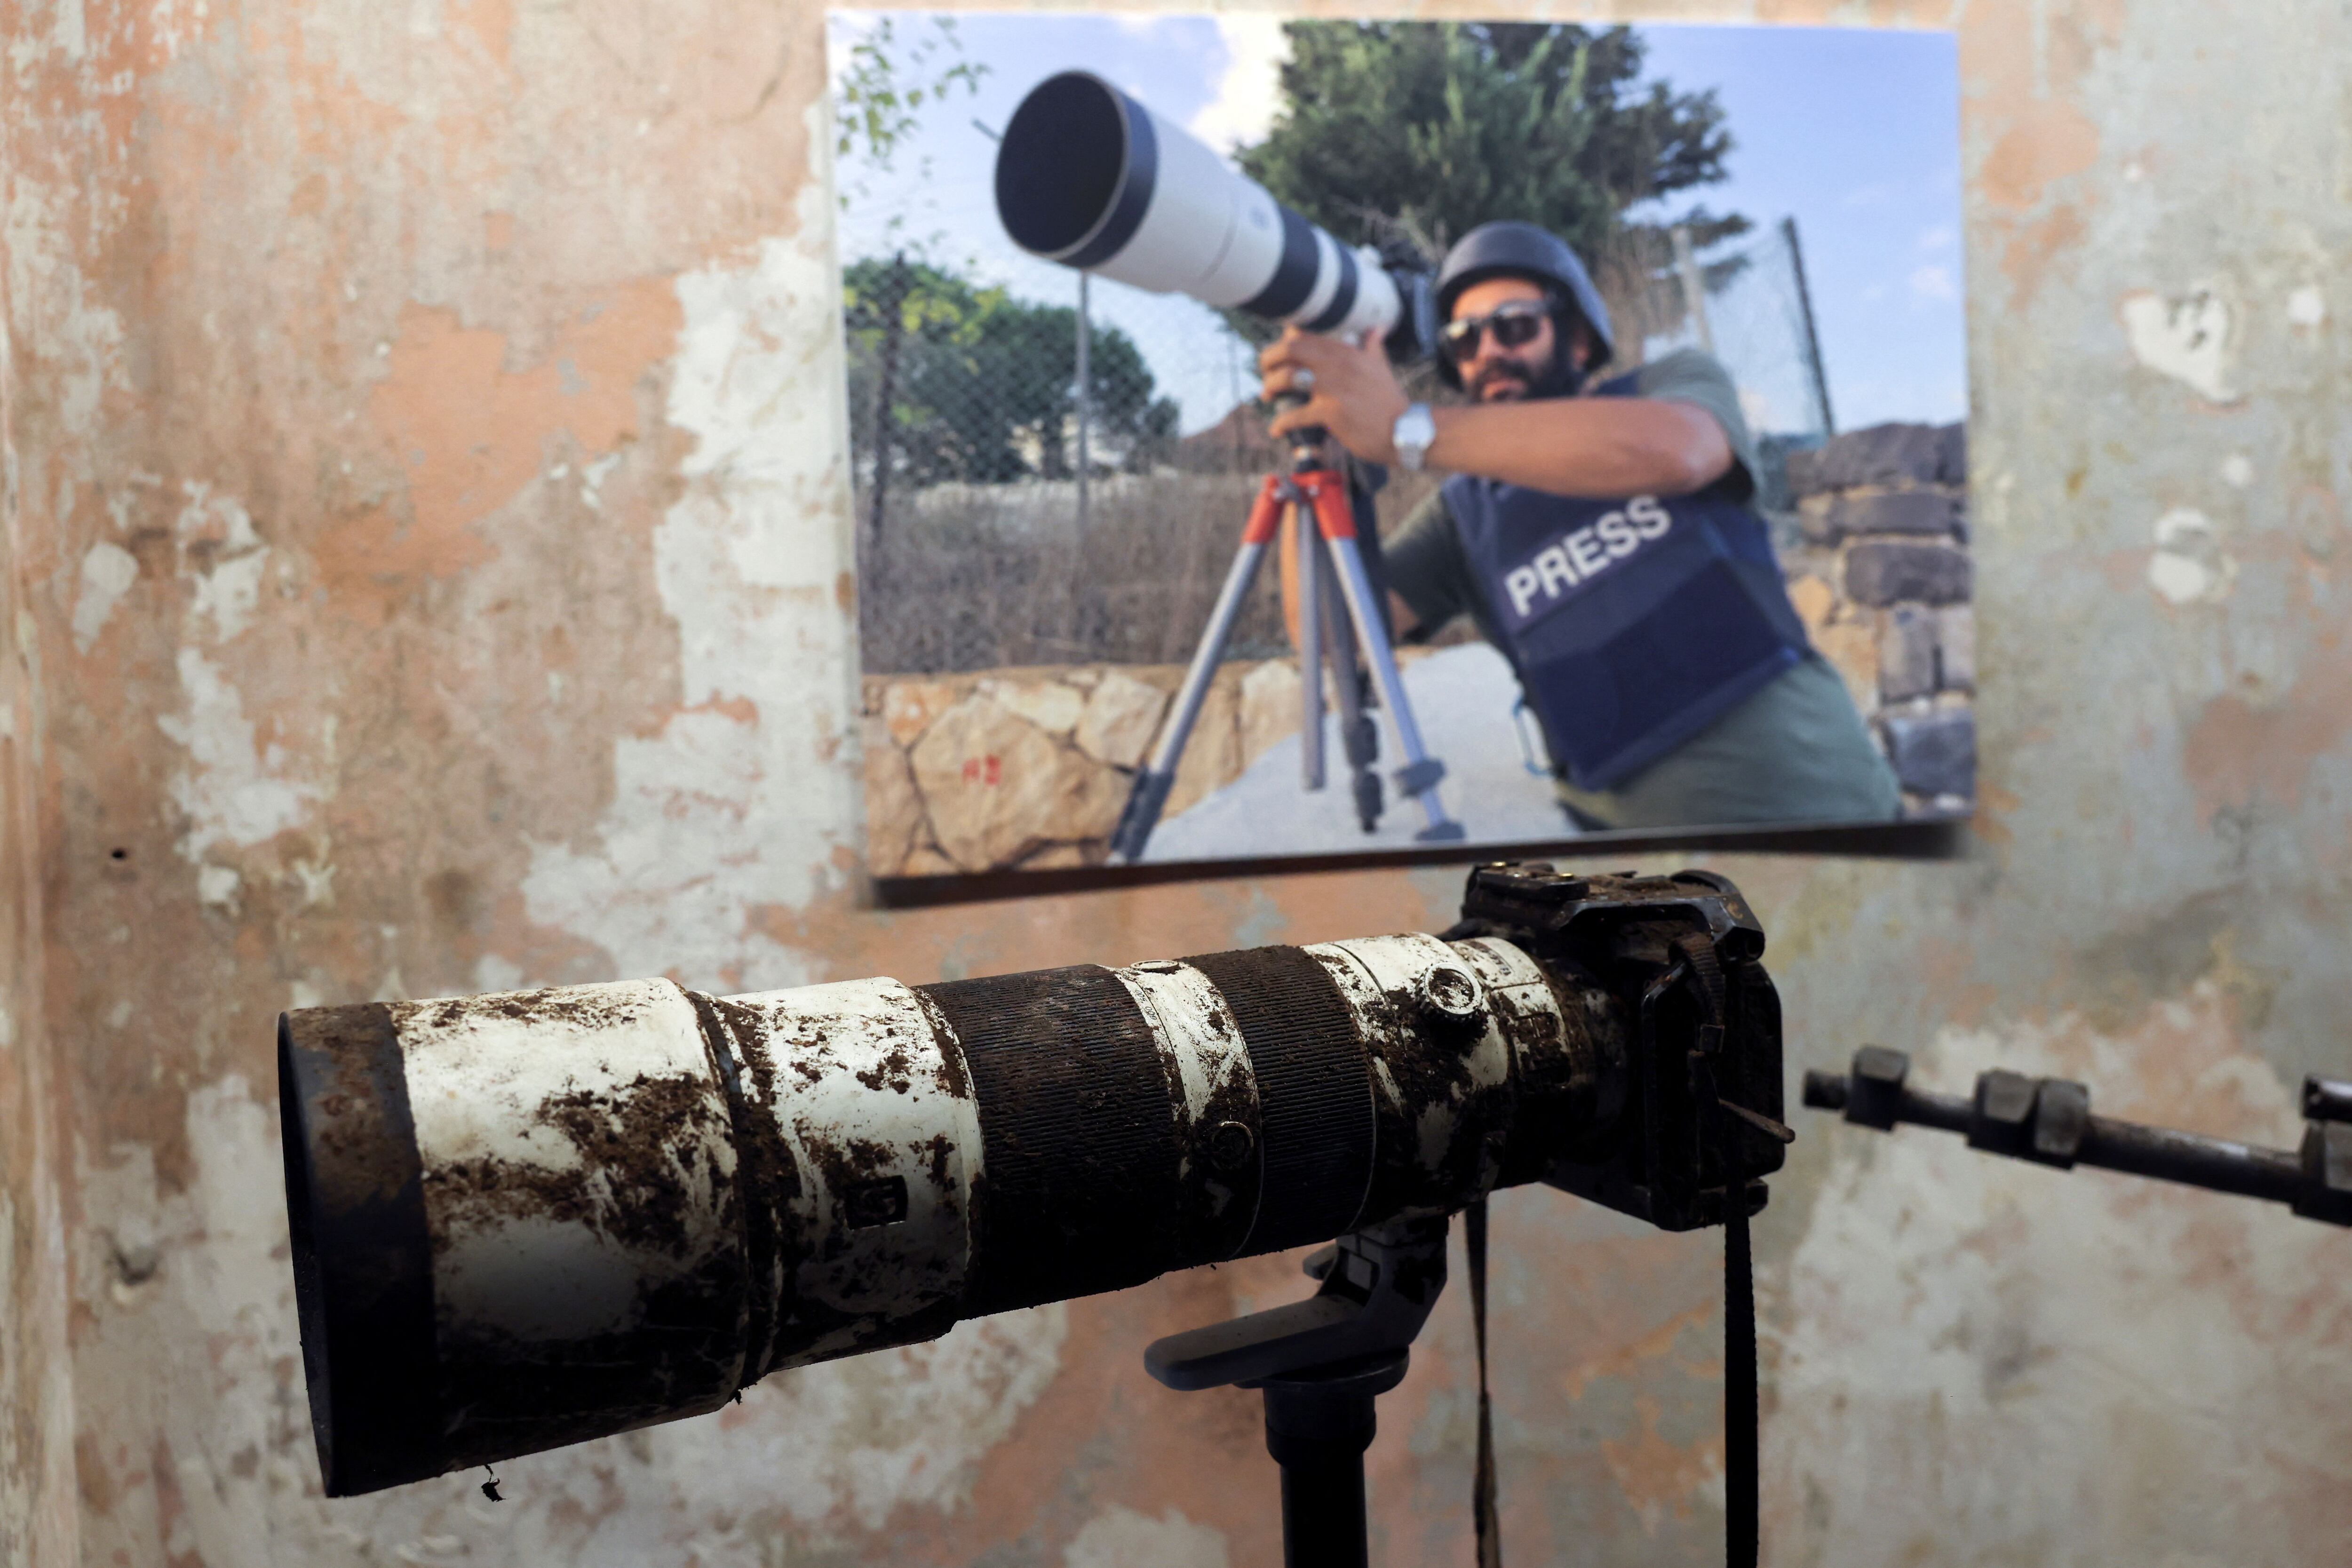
1313, 500
1320, 1362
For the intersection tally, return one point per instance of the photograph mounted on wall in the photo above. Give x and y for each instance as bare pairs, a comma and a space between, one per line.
1281, 439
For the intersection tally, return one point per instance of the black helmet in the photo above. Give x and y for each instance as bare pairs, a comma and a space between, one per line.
1522, 250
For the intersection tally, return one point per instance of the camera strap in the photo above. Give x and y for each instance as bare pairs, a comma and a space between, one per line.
1742, 1533
1742, 1529
1482, 1495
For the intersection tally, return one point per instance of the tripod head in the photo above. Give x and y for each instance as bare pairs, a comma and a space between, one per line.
1308, 442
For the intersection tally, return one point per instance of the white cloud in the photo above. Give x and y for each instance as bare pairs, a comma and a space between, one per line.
1243, 109
1934, 283
1937, 238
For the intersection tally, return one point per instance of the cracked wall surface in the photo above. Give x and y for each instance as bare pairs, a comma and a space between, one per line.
428, 571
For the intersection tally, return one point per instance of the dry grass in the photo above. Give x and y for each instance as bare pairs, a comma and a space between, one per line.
969, 577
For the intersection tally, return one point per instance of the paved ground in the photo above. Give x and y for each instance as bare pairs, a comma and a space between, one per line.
1463, 698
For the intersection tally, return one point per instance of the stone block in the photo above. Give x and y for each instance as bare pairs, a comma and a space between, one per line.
1934, 513
1852, 648
1882, 455
1952, 459
910, 706
1040, 699
1815, 521
928, 862
1878, 574
1120, 715
1814, 600
1212, 757
1934, 753
1061, 857
1956, 637
1906, 653
995, 786
894, 808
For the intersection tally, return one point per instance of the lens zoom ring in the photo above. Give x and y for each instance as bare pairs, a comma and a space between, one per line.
1293, 275
1078, 1192
1314, 1090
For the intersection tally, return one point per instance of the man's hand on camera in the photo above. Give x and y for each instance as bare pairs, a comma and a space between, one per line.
1352, 393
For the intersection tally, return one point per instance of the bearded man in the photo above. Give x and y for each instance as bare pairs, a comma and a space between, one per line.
1600, 537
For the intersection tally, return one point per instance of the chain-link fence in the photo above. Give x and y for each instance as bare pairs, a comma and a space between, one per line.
1044, 482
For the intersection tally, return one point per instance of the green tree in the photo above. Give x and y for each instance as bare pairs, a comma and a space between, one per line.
1419, 131
983, 385
883, 82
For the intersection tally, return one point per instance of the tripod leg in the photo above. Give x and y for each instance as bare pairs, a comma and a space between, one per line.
1310, 649
1356, 734
1149, 791
1421, 772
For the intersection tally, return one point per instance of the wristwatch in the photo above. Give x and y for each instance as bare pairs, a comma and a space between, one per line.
1411, 435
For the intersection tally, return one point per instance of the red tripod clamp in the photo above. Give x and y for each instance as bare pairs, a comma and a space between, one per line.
1320, 489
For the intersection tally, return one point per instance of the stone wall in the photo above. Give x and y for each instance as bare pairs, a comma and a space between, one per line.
1029, 768
1882, 576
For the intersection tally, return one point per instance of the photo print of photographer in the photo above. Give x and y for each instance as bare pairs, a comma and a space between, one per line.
1604, 441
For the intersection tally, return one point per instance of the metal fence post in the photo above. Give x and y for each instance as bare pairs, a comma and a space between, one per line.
1694, 291
1084, 401
894, 301
1812, 340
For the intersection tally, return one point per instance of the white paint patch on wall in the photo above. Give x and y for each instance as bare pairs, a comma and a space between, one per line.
208, 1260
1122, 1538
2307, 308
2189, 564
726, 812
1956, 1368
2186, 338
233, 790
849, 1442
107, 573
227, 574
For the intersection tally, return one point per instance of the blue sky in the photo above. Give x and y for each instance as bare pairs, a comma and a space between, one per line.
1854, 133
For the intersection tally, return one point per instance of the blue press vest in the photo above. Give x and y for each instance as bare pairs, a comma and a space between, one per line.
1632, 623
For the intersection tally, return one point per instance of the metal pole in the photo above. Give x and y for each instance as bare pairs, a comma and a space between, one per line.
1149, 795
1421, 772
1083, 401
1693, 292
1300, 535
894, 300
1812, 339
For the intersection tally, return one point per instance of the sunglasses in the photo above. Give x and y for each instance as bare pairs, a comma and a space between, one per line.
1515, 323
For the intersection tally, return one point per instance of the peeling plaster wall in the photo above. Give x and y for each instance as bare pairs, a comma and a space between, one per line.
39, 1514
428, 510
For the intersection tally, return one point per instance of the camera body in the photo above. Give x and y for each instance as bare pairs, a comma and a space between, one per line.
1680, 956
